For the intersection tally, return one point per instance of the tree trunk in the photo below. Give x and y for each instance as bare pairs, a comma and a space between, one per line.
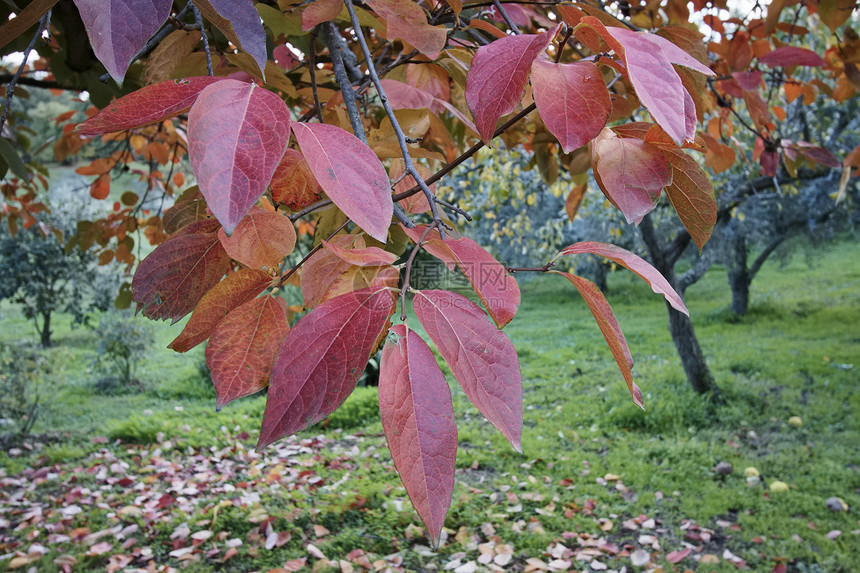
680, 326
692, 360
45, 331
737, 270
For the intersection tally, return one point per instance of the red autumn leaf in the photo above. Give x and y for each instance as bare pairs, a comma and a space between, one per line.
817, 154
293, 184
692, 196
677, 556
149, 104
480, 356
237, 289
498, 77
602, 312
171, 280
748, 81
320, 11
240, 351
496, 288
792, 56
404, 96
630, 172
237, 134
366, 257
634, 263
350, 174
240, 22
418, 419
407, 21
417, 203
120, 28
648, 60
261, 240
769, 161
321, 359
284, 57
572, 100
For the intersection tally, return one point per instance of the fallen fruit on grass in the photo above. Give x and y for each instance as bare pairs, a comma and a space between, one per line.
836, 504
751, 472
795, 421
724, 468
753, 480
778, 487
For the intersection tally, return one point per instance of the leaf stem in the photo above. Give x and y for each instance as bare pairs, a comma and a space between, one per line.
409, 261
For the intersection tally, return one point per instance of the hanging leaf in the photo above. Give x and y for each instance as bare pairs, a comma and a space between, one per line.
240, 351
418, 419
479, 355
792, 56
120, 28
602, 312
261, 240
572, 100
321, 359
350, 174
237, 134
498, 77
630, 172
494, 285
628, 260
692, 196
149, 104
240, 22
235, 290
173, 278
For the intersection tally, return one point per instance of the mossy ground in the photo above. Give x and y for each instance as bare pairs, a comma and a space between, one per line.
795, 354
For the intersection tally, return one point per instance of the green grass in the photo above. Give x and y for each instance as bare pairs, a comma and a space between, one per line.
795, 354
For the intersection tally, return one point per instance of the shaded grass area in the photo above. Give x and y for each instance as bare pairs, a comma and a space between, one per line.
590, 454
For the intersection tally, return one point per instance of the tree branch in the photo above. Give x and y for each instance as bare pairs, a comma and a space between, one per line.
401, 137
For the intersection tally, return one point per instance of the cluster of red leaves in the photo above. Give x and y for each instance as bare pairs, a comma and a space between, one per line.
221, 246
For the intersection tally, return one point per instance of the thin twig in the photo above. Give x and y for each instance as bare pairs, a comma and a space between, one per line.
504, 14
409, 262
198, 19
10, 88
401, 137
